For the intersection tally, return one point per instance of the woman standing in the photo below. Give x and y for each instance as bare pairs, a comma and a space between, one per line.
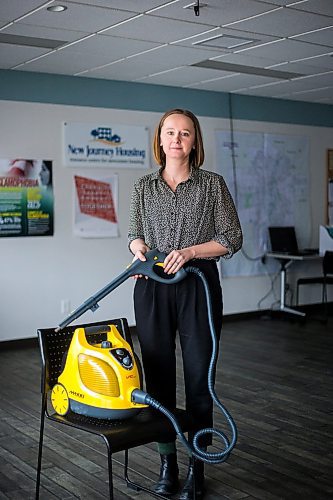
187, 213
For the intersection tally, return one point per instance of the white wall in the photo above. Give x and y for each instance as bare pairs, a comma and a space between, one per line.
37, 273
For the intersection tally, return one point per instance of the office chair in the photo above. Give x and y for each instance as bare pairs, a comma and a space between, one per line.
146, 427
325, 279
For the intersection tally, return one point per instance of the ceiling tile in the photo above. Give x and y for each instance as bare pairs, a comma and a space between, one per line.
322, 63
138, 6
322, 37
277, 3
12, 9
314, 94
305, 83
62, 63
126, 70
155, 29
161, 59
113, 47
11, 55
247, 59
183, 76
78, 17
324, 7
264, 91
233, 83
285, 50
304, 68
284, 22
214, 12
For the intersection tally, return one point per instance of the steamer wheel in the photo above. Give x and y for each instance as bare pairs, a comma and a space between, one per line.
59, 399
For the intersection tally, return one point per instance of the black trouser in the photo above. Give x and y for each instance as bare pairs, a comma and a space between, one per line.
161, 310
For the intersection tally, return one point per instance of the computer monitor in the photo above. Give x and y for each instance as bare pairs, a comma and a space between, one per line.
283, 239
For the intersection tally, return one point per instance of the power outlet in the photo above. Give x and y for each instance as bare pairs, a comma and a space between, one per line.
65, 306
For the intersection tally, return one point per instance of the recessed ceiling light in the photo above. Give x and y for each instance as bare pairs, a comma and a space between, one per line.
57, 8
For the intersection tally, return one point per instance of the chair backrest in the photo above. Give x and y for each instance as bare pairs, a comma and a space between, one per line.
328, 263
54, 346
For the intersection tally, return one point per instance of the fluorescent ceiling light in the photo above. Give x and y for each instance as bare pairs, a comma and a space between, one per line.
45, 43
240, 68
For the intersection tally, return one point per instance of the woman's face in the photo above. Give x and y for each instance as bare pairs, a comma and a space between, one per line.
177, 136
44, 175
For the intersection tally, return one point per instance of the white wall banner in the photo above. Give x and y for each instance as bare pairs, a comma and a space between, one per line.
107, 145
96, 207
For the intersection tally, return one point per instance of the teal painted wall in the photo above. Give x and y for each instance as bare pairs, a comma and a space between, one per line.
79, 91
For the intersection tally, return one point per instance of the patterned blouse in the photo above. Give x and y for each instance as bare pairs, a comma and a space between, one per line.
200, 210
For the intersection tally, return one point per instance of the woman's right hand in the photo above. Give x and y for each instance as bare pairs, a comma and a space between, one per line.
140, 254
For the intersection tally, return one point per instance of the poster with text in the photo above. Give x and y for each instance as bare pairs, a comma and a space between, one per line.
96, 207
107, 145
26, 198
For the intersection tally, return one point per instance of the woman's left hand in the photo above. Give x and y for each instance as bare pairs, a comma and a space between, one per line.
176, 259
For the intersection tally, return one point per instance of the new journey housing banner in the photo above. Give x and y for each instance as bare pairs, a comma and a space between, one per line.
26, 198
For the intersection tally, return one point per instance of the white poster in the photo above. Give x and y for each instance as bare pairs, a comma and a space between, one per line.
96, 207
107, 145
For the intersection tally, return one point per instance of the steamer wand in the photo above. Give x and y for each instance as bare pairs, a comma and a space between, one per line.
151, 267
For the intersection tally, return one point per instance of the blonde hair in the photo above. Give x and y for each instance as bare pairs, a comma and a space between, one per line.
197, 154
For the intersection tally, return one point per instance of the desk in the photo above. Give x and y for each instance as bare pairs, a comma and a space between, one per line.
286, 261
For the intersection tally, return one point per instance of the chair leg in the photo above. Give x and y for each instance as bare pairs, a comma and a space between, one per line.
135, 486
129, 483
40, 446
110, 469
325, 301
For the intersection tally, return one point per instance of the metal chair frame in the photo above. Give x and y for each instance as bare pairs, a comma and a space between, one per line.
325, 279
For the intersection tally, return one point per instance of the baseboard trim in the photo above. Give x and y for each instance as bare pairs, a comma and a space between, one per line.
245, 315
18, 344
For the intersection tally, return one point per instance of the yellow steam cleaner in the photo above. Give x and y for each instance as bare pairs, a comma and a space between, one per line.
99, 376
102, 374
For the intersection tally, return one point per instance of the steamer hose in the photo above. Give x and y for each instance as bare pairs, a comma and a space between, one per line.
142, 397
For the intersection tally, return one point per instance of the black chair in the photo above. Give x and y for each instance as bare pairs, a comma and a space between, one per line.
325, 279
146, 427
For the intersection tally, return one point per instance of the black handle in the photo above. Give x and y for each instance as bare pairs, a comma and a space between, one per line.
153, 268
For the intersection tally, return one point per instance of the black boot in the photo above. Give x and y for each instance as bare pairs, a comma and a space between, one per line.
168, 482
196, 469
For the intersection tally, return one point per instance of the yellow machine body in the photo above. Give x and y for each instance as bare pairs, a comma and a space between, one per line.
98, 378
